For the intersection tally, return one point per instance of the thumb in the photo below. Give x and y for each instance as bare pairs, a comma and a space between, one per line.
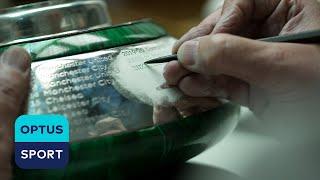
14, 86
255, 62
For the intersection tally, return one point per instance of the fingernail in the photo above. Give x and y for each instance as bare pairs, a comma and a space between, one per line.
164, 86
165, 68
185, 114
16, 58
175, 46
188, 52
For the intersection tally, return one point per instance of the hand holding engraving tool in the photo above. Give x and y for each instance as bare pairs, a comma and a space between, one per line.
89, 82
277, 81
14, 86
305, 37
311, 37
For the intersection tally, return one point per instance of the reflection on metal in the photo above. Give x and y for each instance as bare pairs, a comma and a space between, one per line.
110, 129
51, 17
83, 87
72, 75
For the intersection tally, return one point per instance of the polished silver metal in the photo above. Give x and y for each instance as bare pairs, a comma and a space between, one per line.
87, 89
51, 17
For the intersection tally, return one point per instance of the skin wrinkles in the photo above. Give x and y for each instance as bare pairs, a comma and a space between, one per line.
257, 74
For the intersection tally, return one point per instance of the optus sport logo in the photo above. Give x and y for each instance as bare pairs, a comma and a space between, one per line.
41, 141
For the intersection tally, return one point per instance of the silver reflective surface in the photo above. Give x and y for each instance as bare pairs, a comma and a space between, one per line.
84, 88
51, 17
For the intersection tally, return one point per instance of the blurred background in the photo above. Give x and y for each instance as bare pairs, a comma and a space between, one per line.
176, 16
247, 148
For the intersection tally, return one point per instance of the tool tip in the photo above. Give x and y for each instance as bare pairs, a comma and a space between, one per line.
150, 62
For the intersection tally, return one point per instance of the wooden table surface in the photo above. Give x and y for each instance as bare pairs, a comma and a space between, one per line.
177, 16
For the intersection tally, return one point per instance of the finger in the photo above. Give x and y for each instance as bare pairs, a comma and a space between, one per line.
163, 114
237, 14
276, 21
226, 54
14, 85
188, 102
255, 62
174, 72
204, 28
188, 106
222, 87
197, 85
302, 15
14, 82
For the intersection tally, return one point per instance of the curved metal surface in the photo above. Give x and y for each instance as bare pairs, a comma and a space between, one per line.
51, 17
112, 135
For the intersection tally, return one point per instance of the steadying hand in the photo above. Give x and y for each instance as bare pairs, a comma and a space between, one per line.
14, 88
273, 79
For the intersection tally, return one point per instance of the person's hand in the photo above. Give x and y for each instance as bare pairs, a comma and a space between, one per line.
185, 107
257, 19
275, 80
14, 87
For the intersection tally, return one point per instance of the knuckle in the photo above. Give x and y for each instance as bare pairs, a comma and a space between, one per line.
186, 85
204, 29
234, 12
217, 50
193, 29
240, 7
200, 30
11, 86
220, 41
278, 57
191, 34
170, 72
166, 75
